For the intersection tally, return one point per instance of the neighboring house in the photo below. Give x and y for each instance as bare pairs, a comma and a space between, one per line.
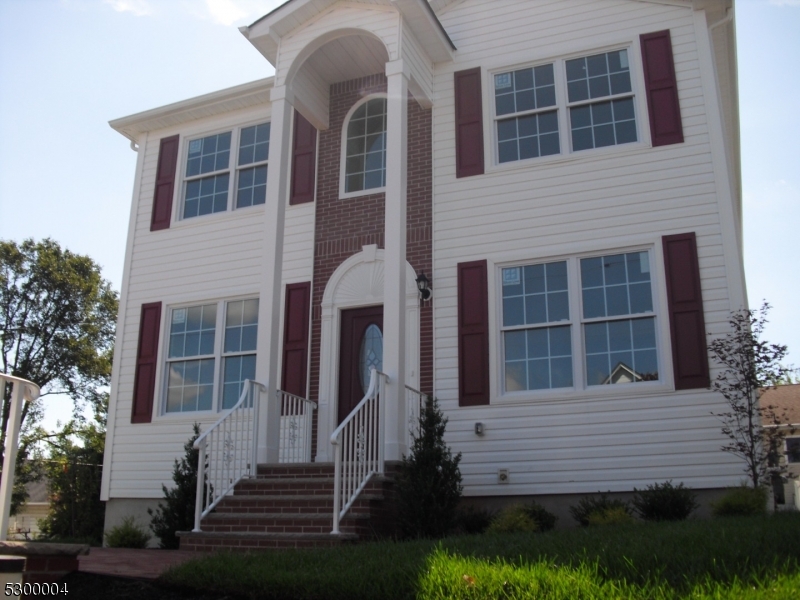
25, 524
784, 401
566, 173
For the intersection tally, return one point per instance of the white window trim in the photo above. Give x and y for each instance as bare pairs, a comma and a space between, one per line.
580, 391
219, 355
491, 154
343, 149
233, 168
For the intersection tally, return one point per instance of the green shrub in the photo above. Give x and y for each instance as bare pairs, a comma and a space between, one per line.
429, 481
543, 518
127, 535
618, 515
177, 513
513, 519
741, 501
472, 519
596, 504
664, 502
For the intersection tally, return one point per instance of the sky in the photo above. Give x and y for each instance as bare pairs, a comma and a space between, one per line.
67, 67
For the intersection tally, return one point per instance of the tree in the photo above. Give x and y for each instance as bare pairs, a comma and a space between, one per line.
57, 329
74, 471
177, 512
429, 481
750, 365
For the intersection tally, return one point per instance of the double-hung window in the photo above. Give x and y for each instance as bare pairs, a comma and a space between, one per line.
580, 322
212, 351
210, 178
591, 96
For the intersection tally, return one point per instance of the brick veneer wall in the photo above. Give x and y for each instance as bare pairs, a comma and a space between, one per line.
343, 226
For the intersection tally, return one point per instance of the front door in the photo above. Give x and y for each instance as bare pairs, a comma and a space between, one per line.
361, 347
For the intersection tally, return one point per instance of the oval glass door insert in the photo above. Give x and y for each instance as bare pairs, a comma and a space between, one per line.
371, 354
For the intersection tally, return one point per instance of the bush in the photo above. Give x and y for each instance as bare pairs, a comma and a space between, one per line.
596, 504
617, 515
177, 514
472, 519
127, 535
742, 501
543, 518
513, 519
429, 480
664, 502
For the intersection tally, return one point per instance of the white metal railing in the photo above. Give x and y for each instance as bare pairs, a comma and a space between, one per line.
296, 420
415, 403
358, 447
227, 451
22, 390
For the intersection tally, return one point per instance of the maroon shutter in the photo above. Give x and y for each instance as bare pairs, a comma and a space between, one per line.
685, 302
144, 381
295, 338
473, 334
165, 183
662, 89
304, 160
469, 123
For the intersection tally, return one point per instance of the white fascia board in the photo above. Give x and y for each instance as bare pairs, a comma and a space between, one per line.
427, 28
222, 101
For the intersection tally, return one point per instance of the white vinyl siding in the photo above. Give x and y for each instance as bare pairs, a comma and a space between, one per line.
609, 437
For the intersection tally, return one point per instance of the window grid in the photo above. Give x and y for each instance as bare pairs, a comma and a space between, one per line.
612, 120
365, 152
526, 95
208, 179
192, 384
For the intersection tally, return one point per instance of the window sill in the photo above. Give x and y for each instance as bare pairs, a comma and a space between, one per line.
581, 155
369, 192
222, 216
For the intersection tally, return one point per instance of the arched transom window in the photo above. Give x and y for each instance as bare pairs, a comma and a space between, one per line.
365, 152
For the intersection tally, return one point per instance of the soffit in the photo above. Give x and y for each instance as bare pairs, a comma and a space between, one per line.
348, 58
239, 97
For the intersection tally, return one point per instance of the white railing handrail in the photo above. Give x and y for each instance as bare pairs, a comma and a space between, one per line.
22, 390
313, 403
242, 398
359, 447
373, 382
223, 477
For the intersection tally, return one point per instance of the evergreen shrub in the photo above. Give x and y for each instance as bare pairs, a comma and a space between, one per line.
513, 519
129, 534
742, 501
596, 504
664, 502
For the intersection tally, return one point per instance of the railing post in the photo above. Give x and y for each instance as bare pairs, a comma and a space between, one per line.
255, 399
337, 488
10, 455
381, 423
201, 475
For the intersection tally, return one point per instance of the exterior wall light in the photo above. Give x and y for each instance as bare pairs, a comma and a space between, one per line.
423, 285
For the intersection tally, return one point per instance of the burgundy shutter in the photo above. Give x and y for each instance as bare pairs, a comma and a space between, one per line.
144, 382
473, 334
304, 160
295, 338
662, 89
469, 123
165, 183
685, 302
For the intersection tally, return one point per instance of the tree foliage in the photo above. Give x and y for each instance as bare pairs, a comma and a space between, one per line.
74, 471
57, 330
177, 512
749, 366
429, 482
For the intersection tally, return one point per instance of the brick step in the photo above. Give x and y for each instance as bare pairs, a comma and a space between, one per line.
306, 503
243, 541
300, 485
354, 522
290, 470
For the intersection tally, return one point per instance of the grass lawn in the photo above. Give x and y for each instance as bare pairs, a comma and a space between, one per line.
756, 557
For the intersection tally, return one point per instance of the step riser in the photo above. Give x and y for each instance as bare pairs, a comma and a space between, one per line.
216, 545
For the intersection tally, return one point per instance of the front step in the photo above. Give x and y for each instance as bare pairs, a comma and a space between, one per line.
291, 506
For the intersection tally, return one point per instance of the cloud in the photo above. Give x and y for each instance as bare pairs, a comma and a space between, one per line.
139, 8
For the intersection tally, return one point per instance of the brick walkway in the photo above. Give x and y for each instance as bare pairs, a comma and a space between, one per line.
126, 562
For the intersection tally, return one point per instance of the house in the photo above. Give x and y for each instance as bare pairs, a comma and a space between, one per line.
24, 525
565, 174
784, 402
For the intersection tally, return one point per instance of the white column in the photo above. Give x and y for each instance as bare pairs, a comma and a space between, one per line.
269, 425
394, 295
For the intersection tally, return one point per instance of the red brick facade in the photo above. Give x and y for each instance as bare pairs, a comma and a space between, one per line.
343, 226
